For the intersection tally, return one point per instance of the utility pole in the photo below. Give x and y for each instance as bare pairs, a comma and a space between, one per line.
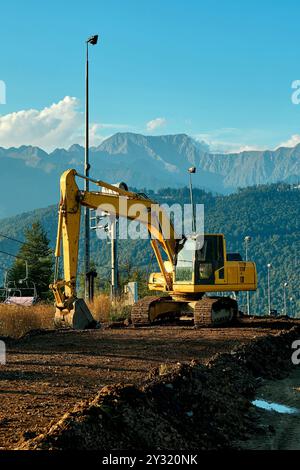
191, 171
291, 299
114, 258
114, 236
285, 285
247, 241
92, 40
269, 266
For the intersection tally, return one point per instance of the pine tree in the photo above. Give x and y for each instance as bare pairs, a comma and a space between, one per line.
37, 253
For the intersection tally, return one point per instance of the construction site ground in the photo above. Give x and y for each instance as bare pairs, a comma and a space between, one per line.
48, 372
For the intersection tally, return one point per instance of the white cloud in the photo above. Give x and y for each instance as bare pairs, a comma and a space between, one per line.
155, 124
232, 147
50, 127
233, 140
59, 125
291, 142
251, 148
229, 140
222, 146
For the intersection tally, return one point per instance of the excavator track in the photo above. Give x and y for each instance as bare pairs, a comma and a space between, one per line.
208, 312
140, 310
214, 311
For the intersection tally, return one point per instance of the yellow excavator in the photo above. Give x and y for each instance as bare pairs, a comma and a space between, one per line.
194, 277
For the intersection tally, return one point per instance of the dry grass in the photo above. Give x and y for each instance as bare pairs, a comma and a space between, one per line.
16, 320
101, 308
104, 311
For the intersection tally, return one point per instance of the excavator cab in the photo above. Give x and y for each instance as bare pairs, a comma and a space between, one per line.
203, 265
199, 258
209, 259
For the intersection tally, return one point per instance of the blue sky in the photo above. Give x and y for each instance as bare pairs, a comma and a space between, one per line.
217, 70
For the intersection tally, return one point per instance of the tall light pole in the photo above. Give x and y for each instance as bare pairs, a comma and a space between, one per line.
247, 240
191, 171
292, 307
285, 285
93, 41
114, 257
269, 266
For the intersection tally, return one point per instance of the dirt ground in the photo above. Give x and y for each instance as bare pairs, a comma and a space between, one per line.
48, 372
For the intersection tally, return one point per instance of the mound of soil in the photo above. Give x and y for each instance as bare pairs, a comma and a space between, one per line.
180, 406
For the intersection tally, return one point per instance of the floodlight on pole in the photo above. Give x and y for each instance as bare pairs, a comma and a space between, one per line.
247, 240
93, 41
285, 285
269, 266
291, 304
191, 171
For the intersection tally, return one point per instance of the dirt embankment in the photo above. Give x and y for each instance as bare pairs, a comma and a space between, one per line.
48, 372
180, 406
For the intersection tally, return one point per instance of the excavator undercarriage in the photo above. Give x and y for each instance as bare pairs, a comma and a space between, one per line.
206, 312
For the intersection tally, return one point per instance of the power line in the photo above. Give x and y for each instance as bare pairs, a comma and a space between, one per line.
10, 254
14, 239
19, 241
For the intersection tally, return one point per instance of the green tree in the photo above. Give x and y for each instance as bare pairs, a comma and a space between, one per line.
38, 255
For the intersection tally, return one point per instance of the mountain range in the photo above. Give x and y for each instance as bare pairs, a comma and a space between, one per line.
29, 176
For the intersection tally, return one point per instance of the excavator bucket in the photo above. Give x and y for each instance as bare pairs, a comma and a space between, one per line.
78, 318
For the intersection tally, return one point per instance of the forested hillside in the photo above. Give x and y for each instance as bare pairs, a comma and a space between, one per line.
269, 214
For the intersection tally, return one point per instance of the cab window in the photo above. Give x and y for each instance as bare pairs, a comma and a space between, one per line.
185, 262
209, 259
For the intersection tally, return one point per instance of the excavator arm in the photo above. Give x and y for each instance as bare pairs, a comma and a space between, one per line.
70, 310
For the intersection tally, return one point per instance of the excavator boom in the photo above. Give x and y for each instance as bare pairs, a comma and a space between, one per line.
70, 310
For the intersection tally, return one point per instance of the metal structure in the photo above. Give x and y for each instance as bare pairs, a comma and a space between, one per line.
93, 41
292, 308
112, 229
269, 266
247, 241
285, 285
131, 293
191, 171
22, 292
